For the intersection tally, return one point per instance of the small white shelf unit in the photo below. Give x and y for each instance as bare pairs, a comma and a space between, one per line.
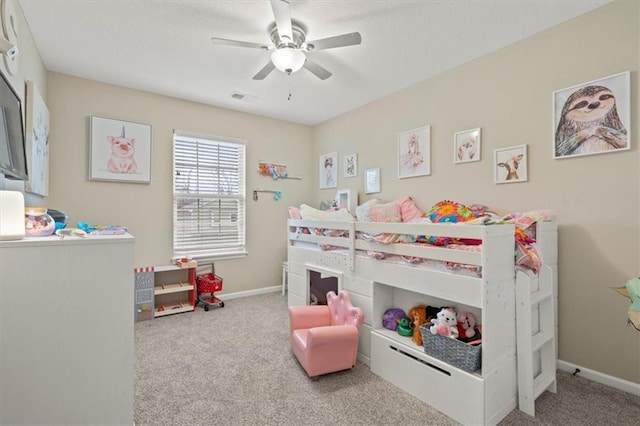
174, 290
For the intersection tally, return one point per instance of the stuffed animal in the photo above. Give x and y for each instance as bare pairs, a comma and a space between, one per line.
404, 327
418, 315
445, 324
466, 325
390, 317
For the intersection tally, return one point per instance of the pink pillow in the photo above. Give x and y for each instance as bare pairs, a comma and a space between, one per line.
389, 212
294, 213
408, 210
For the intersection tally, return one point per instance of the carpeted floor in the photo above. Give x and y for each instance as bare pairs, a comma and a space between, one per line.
233, 366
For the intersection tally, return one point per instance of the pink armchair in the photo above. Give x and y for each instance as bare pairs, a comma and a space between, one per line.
325, 338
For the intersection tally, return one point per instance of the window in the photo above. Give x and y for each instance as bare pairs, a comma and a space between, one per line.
208, 197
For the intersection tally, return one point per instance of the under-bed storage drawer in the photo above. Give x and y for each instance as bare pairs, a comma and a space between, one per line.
298, 289
457, 394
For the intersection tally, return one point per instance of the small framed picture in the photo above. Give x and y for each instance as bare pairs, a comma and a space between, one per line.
347, 199
466, 146
329, 170
510, 164
593, 117
120, 151
371, 181
350, 165
414, 152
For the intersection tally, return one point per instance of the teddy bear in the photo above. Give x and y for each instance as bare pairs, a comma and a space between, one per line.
466, 325
445, 323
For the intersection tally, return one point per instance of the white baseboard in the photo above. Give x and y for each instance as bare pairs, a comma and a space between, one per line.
596, 376
247, 293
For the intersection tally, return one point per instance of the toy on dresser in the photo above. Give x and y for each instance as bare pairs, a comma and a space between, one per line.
445, 324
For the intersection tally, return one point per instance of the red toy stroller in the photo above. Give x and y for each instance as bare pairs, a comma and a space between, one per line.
207, 285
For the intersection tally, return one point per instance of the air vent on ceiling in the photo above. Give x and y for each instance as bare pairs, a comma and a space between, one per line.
243, 97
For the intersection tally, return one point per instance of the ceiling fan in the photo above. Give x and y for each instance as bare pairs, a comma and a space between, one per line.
289, 44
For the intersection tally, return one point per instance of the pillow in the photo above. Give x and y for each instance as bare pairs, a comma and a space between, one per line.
309, 213
294, 213
361, 210
449, 211
408, 210
388, 212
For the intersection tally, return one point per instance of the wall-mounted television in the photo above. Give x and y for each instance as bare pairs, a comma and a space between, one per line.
13, 155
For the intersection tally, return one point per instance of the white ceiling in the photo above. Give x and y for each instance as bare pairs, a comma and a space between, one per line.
164, 47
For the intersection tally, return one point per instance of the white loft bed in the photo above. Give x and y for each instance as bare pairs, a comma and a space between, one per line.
508, 376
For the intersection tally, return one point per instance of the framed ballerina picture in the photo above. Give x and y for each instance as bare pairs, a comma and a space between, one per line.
328, 170
593, 117
119, 151
414, 152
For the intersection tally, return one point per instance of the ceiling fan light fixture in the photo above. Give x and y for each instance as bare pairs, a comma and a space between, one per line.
288, 59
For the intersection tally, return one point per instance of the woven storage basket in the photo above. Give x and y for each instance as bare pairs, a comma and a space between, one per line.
452, 351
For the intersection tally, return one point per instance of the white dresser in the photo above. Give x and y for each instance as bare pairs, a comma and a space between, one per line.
66, 330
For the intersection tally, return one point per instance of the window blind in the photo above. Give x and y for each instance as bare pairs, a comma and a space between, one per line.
208, 197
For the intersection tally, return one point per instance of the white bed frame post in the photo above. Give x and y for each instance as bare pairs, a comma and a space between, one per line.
499, 366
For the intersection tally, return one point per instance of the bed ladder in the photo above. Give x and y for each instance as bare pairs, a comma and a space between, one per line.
536, 336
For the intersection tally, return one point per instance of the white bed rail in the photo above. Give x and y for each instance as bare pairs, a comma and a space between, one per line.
350, 243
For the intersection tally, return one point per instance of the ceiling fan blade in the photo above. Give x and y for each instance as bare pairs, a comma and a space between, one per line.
265, 71
335, 41
237, 43
282, 13
320, 72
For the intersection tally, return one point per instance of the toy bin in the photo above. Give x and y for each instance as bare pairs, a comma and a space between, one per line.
453, 351
207, 285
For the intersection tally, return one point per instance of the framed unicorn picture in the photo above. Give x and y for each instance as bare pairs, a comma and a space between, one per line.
119, 151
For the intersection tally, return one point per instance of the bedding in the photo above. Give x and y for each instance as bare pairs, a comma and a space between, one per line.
335, 215
404, 210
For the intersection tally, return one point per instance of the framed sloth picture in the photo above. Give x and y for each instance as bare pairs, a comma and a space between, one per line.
593, 117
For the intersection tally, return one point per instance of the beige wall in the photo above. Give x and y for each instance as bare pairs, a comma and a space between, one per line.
147, 209
30, 67
508, 94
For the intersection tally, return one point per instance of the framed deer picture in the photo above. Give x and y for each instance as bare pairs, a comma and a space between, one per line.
510, 164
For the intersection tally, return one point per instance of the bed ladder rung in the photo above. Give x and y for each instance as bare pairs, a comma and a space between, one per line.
540, 296
542, 383
541, 339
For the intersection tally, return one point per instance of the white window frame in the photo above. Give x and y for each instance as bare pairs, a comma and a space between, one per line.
209, 232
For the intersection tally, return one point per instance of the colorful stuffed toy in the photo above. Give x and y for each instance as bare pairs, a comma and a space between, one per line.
453, 212
418, 315
445, 324
390, 318
466, 325
404, 327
